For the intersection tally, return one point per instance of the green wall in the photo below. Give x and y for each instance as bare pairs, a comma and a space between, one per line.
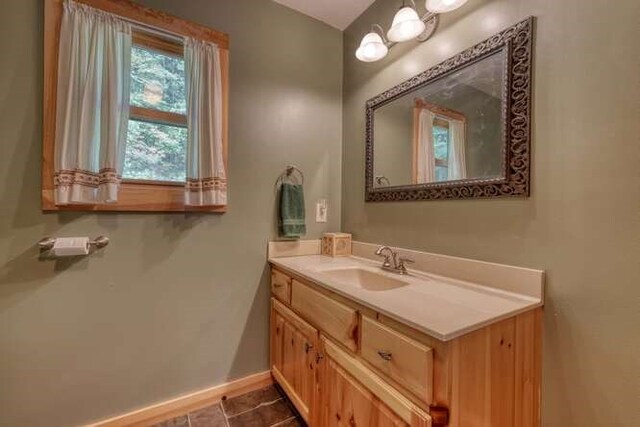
582, 221
177, 302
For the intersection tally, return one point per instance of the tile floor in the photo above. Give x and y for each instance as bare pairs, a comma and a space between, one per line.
266, 407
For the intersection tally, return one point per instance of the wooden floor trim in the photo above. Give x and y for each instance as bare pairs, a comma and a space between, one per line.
181, 405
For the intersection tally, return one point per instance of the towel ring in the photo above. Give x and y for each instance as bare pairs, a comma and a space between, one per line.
291, 169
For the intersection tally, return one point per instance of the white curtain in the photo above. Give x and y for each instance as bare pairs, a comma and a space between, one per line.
92, 109
457, 150
426, 161
206, 176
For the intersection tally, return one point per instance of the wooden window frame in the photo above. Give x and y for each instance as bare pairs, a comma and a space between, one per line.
134, 195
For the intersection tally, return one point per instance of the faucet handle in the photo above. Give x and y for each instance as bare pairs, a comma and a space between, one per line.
401, 264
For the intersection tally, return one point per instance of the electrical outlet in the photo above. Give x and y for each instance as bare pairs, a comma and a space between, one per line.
321, 210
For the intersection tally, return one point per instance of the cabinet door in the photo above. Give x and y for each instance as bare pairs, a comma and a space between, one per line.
352, 395
293, 344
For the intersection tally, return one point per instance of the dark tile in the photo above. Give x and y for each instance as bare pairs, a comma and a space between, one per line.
291, 422
263, 416
291, 406
211, 416
181, 421
249, 401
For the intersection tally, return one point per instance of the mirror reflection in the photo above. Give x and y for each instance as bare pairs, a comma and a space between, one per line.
449, 130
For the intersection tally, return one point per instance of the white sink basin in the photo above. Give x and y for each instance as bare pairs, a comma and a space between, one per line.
364, 279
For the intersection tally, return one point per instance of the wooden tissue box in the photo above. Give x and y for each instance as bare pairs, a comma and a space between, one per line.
336, 244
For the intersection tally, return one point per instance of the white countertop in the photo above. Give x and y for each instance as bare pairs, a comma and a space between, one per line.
438, 306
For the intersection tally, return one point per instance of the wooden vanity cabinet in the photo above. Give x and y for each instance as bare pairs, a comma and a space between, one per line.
343, 364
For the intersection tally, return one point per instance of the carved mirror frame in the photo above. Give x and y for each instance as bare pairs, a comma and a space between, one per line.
517, 42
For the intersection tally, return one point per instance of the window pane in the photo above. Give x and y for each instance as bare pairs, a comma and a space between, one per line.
442, 173
155, 151
157, 81
441, 142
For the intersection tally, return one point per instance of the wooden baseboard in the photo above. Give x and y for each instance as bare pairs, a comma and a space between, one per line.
187, 403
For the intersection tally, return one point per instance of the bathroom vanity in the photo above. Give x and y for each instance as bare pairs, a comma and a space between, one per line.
455, 342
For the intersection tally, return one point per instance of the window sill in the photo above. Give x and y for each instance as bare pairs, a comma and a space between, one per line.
136, 197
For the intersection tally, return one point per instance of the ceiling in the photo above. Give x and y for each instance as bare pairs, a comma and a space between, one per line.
337, 13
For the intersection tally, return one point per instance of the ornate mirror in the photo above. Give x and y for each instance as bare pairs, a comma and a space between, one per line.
458, 130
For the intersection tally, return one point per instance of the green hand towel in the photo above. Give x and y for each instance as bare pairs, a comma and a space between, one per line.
292, 223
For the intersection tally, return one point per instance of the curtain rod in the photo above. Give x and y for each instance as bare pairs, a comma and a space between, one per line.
154, 30
146, 27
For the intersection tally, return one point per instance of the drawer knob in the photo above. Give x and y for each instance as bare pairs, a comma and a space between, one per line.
278, 285
385, 355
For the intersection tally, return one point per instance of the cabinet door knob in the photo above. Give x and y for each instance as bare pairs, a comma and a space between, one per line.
385, 355
319, 357
307, 347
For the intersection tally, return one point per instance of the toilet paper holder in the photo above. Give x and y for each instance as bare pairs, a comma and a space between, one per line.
46, 243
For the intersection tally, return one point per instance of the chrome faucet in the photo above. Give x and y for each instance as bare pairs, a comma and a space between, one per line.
392, 262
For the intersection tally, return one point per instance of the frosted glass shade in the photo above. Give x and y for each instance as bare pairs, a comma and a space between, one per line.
372, 48
442, 6
406, 25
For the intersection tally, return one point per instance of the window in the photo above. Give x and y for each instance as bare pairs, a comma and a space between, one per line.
154, 162
157, 133
441, 148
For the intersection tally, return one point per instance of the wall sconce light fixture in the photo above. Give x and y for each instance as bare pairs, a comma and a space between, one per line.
406, 25
373, 46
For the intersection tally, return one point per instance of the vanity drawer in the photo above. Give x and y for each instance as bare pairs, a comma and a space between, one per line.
399, 357
351, 394
281, 286
332, 317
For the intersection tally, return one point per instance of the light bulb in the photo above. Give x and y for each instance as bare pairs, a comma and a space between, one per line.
406, 25
443, 6
372, 48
